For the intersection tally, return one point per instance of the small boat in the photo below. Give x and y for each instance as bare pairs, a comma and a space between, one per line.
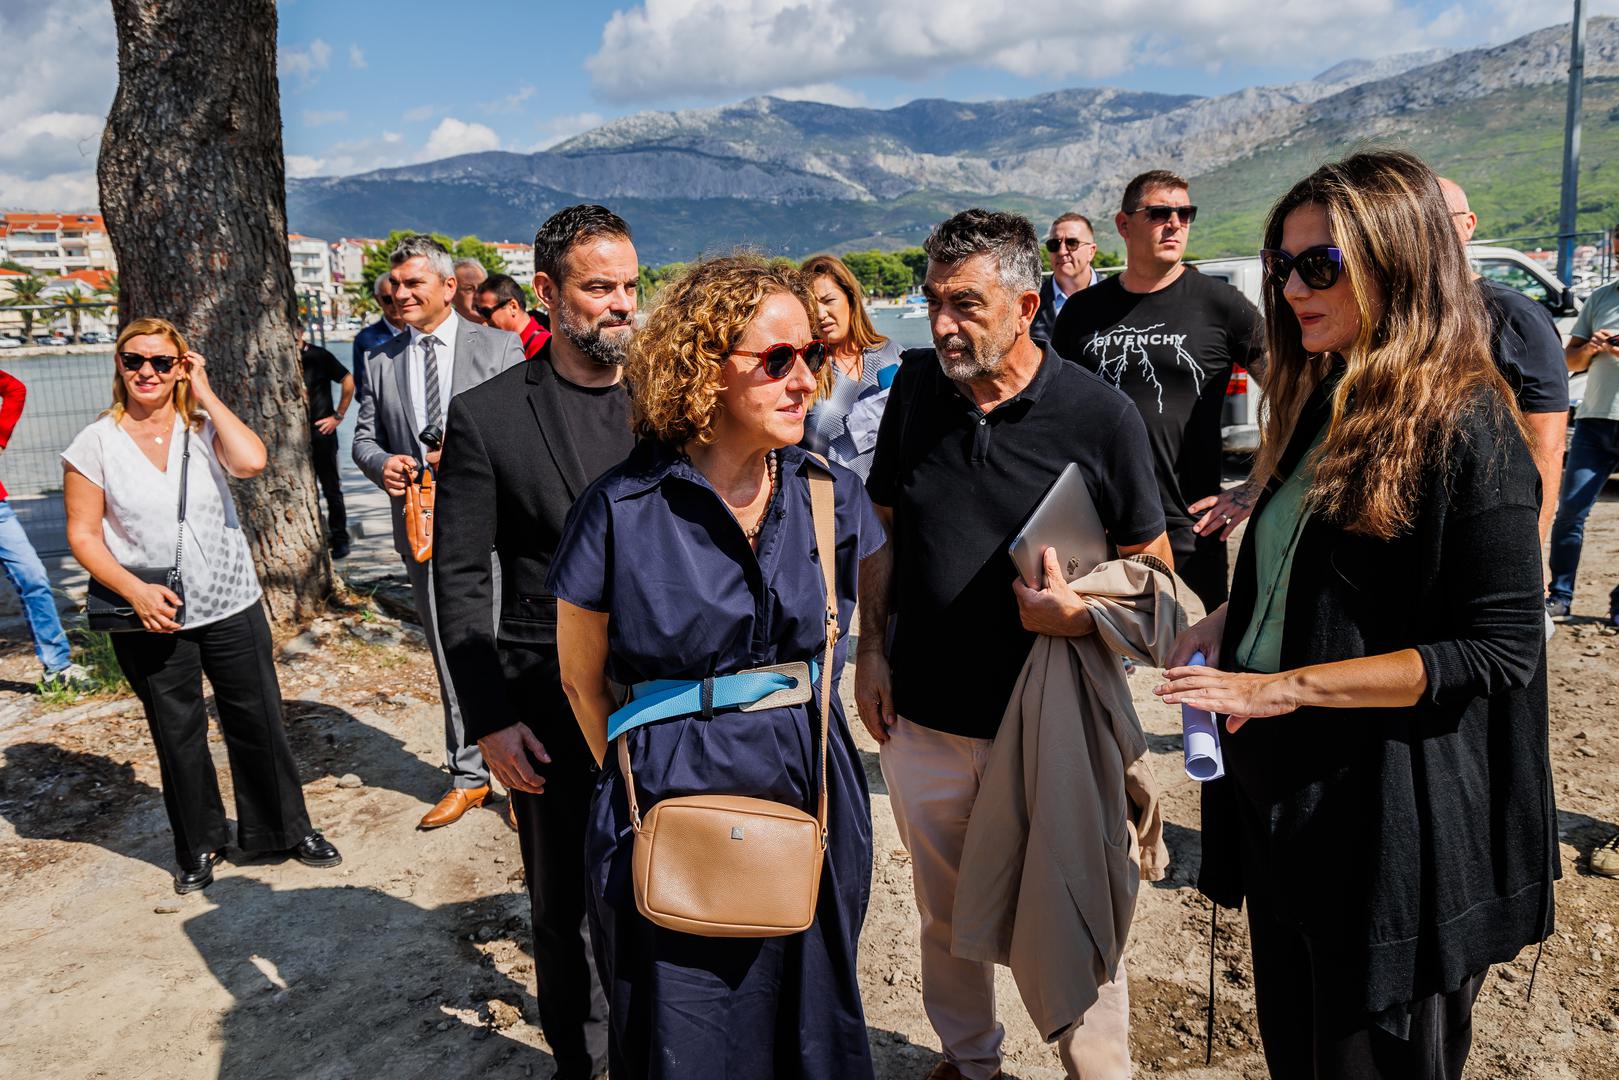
914, 313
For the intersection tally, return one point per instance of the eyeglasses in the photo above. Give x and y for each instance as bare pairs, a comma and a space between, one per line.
1158, 215
134, 361
1318, 266
779, 358
487, 313
1070, 243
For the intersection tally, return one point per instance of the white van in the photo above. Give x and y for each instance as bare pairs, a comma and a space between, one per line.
1239, 428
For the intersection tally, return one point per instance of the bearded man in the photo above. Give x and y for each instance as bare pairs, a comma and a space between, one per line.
519, 449
976, 430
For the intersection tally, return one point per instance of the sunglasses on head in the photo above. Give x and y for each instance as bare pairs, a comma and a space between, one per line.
1071, 243
779, 358
1158, 215
1318, 266
135, 361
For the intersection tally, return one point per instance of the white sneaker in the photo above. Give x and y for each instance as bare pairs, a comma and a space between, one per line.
73, 677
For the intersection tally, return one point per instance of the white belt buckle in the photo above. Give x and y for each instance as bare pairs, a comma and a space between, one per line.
800, 691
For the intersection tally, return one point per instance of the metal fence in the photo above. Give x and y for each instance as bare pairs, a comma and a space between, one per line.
65, 392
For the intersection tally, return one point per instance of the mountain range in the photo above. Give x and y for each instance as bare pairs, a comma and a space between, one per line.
799, 176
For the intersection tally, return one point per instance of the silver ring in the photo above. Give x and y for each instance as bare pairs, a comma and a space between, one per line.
1227, 518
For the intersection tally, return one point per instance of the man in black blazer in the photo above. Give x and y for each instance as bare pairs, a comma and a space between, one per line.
1072, 245
519, 449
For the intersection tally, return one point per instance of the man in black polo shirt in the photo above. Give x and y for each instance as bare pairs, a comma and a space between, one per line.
1168, 337
975, 431
321, 370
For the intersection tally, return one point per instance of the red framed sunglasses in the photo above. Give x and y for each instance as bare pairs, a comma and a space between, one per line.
778, 358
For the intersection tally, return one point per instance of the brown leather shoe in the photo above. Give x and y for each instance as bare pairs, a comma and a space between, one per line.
456, 802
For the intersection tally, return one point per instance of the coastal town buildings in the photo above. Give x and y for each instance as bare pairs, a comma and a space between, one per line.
53, 244
519, 260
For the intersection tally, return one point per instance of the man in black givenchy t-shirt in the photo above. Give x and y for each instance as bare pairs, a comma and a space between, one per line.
1168, 337
321, 370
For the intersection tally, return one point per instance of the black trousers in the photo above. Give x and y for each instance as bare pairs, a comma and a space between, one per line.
1202, 563
323, 449
1307, 1038
551, 833
166, 673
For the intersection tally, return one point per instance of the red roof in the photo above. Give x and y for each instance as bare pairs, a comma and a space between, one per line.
53, 222
96, 279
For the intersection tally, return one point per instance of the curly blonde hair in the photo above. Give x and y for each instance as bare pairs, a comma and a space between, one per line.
677, 359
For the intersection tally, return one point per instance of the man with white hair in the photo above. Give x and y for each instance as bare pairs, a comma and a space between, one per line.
469, 275
411, 379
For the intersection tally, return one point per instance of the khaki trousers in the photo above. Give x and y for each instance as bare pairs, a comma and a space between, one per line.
933, 781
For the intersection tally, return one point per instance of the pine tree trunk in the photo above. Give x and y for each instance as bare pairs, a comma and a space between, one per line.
193, 190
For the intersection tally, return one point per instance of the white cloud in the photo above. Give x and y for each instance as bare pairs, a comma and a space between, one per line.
453, 137
564, 127
305, 165
55, 87
356, 57
510, 103
350, 156
316, 56
421, 112
646, 51
826, 93
322, 117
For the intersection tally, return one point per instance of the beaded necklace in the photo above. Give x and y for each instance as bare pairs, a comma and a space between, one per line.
770, 469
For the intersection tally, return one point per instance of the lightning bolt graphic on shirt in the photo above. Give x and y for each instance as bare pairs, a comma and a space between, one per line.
1115, 349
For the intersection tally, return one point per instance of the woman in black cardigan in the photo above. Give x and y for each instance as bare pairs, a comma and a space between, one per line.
1387, 810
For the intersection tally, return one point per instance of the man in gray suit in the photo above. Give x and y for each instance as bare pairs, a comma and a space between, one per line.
409, 383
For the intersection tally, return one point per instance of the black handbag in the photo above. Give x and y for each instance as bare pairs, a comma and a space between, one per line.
107, 611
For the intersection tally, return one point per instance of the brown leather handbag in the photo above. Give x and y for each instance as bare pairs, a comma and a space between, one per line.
729, 865
419, 494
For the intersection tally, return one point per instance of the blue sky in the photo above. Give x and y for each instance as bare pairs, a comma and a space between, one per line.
367, 84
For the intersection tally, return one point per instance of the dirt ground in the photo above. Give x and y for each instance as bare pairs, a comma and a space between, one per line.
412, 958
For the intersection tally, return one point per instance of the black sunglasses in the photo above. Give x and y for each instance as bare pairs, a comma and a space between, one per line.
1072, 243
487, 313
1160, 214
778, 359
1318, 266
134, 361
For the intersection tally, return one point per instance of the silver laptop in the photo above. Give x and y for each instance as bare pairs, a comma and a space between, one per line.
1065, 519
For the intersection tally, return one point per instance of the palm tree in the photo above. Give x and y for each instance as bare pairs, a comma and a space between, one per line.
109, 293
76, 303
26, 293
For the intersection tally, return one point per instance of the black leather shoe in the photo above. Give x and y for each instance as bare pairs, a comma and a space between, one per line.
198, 874
316, 850
340, 549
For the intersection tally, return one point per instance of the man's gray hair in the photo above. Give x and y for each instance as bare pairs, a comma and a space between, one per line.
1010, 238
470, 261
438, 259
376, 286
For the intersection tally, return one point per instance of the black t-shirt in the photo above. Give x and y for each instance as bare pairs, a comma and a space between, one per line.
961, 482
1527, 348
598, 418
1171, 351
321, 370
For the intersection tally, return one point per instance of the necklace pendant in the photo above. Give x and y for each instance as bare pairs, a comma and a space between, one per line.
158, 439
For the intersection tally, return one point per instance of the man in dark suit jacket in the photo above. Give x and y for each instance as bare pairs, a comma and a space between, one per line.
375, 335
413, 377
1072, 245
519, 450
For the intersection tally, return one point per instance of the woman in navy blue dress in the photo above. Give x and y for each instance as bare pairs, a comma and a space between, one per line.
696, 558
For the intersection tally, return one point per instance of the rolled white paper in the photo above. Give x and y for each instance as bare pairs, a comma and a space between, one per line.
1200, 738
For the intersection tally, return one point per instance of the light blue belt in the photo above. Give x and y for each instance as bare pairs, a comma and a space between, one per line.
752, 690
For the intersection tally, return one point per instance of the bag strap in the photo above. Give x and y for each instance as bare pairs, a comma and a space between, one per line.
185, 473
823, 512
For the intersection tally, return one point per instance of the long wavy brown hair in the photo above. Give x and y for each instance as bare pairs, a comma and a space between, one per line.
862, 335
184, 402
1421, 359
677, 359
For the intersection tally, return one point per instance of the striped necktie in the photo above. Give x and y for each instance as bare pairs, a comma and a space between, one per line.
435, 407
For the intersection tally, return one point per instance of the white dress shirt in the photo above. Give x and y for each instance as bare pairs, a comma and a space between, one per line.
416, 372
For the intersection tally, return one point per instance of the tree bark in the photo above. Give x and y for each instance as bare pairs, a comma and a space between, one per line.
193, 190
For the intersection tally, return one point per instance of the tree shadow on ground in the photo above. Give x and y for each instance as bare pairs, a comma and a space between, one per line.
328, 740
343, 981
48, 792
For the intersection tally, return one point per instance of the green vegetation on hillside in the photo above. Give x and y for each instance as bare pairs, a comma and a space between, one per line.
1506, 149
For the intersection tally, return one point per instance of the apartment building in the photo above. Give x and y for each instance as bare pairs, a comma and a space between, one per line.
52, 245
311, 264
519, 260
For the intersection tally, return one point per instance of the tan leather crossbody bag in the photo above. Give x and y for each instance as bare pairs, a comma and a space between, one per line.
419, 497
730, 865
